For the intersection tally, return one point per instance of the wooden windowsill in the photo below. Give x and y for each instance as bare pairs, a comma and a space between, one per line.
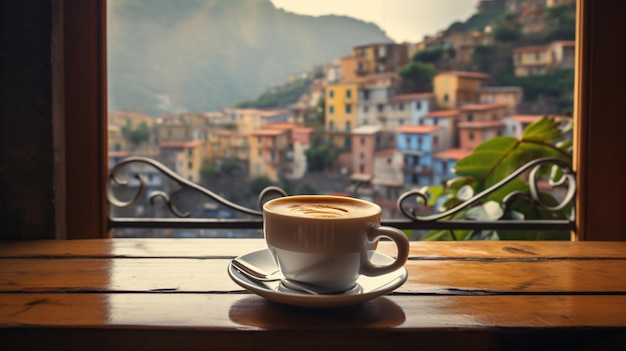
175, 293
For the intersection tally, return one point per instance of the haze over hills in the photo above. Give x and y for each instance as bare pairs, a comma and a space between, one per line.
199, 55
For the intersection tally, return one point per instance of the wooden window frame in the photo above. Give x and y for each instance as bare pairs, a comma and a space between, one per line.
80, 85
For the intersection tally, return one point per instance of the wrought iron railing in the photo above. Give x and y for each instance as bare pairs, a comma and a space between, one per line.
412, 220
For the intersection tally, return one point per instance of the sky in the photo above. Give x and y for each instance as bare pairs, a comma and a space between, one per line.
402, 20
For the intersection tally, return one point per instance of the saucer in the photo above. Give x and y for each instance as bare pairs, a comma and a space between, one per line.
366, 288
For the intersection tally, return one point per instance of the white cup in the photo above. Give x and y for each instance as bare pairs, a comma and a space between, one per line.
328, 241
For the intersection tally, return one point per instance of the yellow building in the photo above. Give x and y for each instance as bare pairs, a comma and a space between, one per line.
540, 60
341, 114
454, 88
184, 158
268, 152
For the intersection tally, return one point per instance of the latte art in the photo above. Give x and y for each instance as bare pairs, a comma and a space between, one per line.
320, 210
321, 207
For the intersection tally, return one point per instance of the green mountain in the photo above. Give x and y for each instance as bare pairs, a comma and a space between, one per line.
199, 55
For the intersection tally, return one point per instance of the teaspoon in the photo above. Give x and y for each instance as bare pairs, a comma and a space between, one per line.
258, 274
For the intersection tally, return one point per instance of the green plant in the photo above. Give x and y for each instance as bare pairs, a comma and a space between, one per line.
137, 136
319, 158
417, 76
492, 161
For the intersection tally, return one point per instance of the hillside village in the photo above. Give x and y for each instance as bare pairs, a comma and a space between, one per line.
358, 121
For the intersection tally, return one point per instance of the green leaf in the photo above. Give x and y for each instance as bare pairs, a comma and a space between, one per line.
433, 193
544, 129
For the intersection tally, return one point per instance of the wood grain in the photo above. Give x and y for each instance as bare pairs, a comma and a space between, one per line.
235, 247
209, 275
250, 312
154, 294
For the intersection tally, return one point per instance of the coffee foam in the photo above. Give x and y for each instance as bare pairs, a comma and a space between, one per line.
321, 207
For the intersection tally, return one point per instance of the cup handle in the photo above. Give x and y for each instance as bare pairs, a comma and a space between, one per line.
402, 243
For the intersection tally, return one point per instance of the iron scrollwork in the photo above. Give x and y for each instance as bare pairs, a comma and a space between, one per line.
170, 199
567, 179
413, 219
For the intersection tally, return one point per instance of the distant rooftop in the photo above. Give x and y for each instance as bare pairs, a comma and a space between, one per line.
481, 124
413, 96
181, 144
466, 74
453, 154
442, 113
481, 107
369, 129
418, 129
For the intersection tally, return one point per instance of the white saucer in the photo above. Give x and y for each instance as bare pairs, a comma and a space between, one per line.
366, 289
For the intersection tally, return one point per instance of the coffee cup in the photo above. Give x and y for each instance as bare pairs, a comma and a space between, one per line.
328, 241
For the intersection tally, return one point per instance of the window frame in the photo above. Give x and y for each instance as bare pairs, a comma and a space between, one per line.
80, 90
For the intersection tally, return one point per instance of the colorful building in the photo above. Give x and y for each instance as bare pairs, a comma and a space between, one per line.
543, 59
376, 58
183, 157
248, 119
454, 88
375, 92
472, 134
418, 144
511, 96
341, 115
408, 109
444, 163
268, 153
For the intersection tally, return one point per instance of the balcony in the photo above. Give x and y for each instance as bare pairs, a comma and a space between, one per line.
418, 169
406, 203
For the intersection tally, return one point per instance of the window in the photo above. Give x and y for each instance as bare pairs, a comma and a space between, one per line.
348, 126
362, 140
446, 97
470, 136
401, 107
331, 109
331, 93
470, 117
190, 152
594, 84
380, 107
189, 165
418, 105
348, 93
348, 108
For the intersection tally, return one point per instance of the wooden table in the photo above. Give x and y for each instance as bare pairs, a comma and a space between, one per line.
175, 294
